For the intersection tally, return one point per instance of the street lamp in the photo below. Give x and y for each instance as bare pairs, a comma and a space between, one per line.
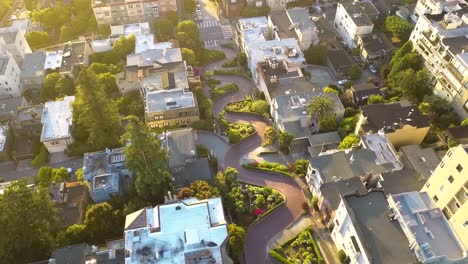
214, 127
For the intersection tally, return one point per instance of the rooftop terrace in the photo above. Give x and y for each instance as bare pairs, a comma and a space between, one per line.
57, 119
424, 223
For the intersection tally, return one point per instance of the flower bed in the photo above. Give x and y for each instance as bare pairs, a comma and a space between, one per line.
244, 106
220, 91
259, 107
237, 132
300, 249
268, 166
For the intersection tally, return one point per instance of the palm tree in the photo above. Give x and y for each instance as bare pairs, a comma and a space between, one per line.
321, 108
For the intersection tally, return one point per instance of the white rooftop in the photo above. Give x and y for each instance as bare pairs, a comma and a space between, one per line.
275, 48
253, 29
425, 224
53, 60
144, 42
57, 119
130, 29
155, 56
169, 99
176, 232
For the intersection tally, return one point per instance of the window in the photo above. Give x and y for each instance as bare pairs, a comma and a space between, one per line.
450, 178
442, 164
449, 153
459, 168
337, 223
465, 224
106, 13
457, 205
427, 185
435, 198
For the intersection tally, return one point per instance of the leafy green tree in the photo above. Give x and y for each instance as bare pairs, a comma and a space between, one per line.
320, 108
107, 80
66, 33
104, 30
447, 120
132, 104
464, 122
315, 205
50, 88
375, 99
328, 125
189, 57
285, 140
237, 237
260, 201
408, 61
79, 174
46, 175
401, 52
66, 86
349, 141
300, 167
41, 158
99, 68
399, 27
27, 217
103, 222
355, 72
37, 38
74, 234
261, 107
148, 161
164, 29
341, 255
185, 192
30, 4
316, 54
124, 46
348, 125
203, 190
234, 135
97, 121
328, 89
413, 85
188, 36
189, 6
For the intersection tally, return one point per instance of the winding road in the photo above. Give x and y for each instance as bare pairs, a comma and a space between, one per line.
230, 155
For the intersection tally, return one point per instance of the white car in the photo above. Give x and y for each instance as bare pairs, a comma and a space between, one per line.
342, 82
318, 9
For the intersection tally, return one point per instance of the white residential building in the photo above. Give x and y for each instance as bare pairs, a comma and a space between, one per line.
435, 7
10, 81
256, 40
443, 43
56, 124
353, 20
13, 41
363, 230
187, 231
429, 234
130, 11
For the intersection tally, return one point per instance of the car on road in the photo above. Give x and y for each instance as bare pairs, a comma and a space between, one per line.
342, 82
318, 9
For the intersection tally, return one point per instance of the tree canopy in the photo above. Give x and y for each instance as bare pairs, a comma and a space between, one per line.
355, 72
349, 141
399, 27
97, 121
148, 161
316, 54
237, 237
189, 57
37, 39
27, 217
321, 107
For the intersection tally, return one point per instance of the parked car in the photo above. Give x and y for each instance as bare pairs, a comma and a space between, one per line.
318, 9
342, 82
373, 68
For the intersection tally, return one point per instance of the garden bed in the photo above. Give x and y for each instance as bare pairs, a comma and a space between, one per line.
247, 106
220, 91
269, 166
234, 72
300, 249
259, 202
237, 132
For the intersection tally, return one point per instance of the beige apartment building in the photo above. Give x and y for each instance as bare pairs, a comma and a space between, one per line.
171, 108
448, 188
116, 12
442, 42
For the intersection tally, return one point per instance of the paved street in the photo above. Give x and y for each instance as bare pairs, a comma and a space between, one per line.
212, 33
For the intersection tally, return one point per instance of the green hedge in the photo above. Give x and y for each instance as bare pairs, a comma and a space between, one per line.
251, 166
209, 56
298, 3
268, 152
220, 91
230, 72
41, 158
244, 108
278, 257
314, 244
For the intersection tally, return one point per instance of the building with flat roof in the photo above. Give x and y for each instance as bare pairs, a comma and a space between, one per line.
402, 123
448, 189
354, 19
363, 230
68, 59
256, 39
105, 173
373, 47
184, 163
339, 62
56, 122
429, 234
361, 92
10, 82
113, 252
9, 106
290, 113
422, 160
163, 234
32, 71
435, 7
13, 41
127, 30
441, 41
323, 142
116, 12
171, 108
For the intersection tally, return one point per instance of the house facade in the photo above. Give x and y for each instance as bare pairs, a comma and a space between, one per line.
10, 81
